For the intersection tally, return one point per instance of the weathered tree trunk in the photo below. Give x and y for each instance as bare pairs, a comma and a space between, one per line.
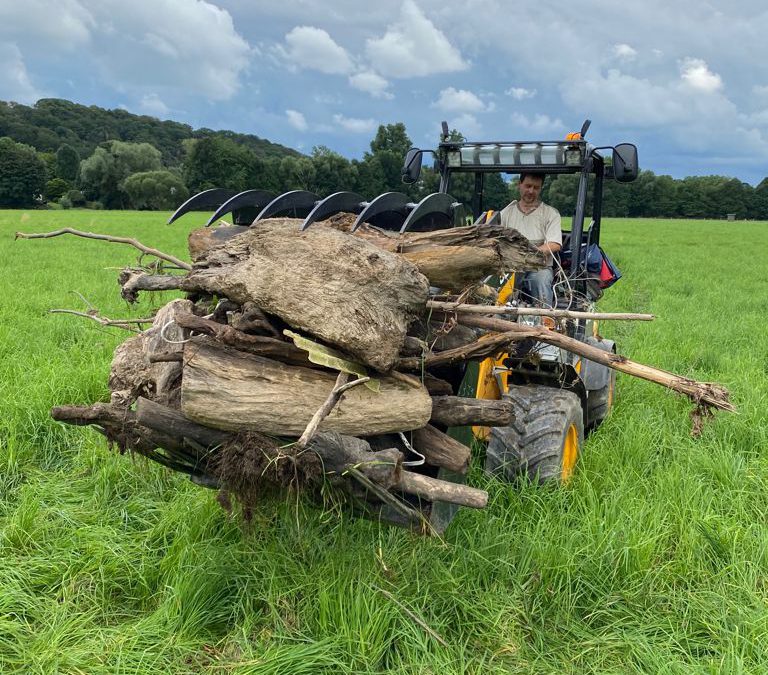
458, 411
136, 372
227, 389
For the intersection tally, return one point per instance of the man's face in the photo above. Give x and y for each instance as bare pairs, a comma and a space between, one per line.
530, 189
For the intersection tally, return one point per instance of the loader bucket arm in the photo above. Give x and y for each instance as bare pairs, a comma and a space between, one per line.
437, 204
338, 202
207, 200
296, 202
244, 206
394, 204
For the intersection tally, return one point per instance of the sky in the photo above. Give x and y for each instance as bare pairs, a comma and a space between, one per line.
685, 80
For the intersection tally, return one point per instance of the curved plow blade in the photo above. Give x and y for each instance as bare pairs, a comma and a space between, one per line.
207, 200
244, 206
300, 202
438, 208
349, 202
388, 211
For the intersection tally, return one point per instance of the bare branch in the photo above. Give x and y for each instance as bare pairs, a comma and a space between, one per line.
342, 385
106, 237
535, 311
104, 321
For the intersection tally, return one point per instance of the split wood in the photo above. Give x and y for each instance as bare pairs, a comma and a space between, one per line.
462, 308
106, 237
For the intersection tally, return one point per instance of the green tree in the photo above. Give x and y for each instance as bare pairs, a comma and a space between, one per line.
67, 163
388, 150
333, 173
103, 174
214, 162
56, 188
22, 174
155, 190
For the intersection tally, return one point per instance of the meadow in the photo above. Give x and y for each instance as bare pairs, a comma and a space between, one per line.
653, 559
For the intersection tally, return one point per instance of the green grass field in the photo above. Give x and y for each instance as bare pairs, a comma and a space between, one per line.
654, 559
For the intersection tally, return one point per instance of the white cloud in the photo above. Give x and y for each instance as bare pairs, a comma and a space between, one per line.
296, 120
139, 47
697, 74
151, 104
413, 47
313, 48
460, 100
371, 83
539, 124
65, 25
15, 83
354, 125
624, 52
520, 93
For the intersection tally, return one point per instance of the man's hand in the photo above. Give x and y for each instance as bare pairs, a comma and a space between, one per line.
549, 247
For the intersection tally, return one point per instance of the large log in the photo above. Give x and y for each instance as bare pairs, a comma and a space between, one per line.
338, 287
453, 258
227, 389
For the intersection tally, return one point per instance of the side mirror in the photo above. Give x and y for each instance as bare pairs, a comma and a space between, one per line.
412, 166
625, 168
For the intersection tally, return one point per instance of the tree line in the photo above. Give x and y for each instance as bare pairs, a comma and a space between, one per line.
51, 154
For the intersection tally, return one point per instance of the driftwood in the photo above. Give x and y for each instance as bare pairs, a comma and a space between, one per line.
227, 389
459, 411
701, 393
261, 345
451, 258
136, 372
337, 287
512, 312
339, 454
486, 345
441, 450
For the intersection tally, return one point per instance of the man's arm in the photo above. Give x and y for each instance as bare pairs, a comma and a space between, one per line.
552, 233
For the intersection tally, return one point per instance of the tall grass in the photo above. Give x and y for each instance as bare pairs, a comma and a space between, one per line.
653, 559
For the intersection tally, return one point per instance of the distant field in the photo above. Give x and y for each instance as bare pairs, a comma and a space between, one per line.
654, 559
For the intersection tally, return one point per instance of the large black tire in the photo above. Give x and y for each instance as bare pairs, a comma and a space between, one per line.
600, 402
544, 439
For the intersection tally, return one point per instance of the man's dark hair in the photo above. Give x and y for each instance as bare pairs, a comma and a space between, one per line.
530, 174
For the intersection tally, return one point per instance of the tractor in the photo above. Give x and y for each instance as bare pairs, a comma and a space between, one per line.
556, 395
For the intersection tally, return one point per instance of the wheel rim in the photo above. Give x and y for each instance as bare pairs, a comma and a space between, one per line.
570, 452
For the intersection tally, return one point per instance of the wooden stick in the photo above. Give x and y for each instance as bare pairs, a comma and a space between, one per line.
485, 345
342, 384
462, 308
436, 490
104, 321
440, 449
707, 393
106, 237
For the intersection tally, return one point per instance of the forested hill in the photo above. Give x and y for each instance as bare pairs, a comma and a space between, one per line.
53, 122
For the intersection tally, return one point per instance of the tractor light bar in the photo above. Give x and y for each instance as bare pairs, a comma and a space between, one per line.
542, 154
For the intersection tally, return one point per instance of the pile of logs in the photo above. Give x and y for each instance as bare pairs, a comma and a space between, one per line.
302, 359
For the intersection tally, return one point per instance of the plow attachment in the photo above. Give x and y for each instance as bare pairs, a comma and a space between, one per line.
389, 211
